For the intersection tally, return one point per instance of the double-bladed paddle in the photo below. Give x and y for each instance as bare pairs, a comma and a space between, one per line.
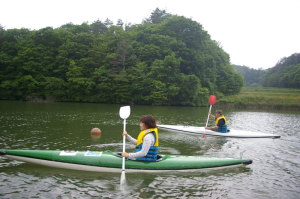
124, 114
212, 100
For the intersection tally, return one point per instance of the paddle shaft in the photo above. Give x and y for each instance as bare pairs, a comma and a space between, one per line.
208, 116
124, 138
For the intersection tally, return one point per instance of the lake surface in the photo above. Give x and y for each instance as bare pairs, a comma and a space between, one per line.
274, 173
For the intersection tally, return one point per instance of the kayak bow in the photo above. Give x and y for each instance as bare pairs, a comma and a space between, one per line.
112, 162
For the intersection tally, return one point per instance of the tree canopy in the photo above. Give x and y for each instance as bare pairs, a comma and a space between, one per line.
252, 77
285, 74
165, 60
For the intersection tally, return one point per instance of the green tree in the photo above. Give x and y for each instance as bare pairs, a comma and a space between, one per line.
157, 16
141, 84
165, 74
120, 23
108, 22
284, 73
166, 60
251, 76
97, 28
55, 88
79, 87
104, 84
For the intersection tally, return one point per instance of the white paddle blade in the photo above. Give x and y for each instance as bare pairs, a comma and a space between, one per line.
124, 112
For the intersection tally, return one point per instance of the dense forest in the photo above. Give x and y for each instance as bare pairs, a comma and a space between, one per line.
165, 60
285, 74
252, 77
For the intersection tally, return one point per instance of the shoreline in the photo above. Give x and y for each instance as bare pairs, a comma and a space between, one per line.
267, 98
264, 98
263, 107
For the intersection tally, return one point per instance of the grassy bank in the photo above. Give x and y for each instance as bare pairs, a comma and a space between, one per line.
263, 98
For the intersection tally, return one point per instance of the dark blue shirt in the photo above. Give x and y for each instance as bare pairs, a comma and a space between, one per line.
221, 122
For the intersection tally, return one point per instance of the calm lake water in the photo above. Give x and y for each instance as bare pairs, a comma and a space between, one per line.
275, 172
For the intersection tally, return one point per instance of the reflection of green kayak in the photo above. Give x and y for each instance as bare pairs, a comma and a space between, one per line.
111, 162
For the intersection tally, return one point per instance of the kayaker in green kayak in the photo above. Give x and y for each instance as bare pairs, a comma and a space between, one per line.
221, 123
147, 141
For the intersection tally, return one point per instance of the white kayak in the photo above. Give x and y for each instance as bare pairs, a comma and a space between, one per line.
232, 133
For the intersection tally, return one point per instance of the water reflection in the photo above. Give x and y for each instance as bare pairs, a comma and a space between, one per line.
95, 137
179, 184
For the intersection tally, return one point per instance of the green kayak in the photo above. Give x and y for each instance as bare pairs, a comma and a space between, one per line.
99, 161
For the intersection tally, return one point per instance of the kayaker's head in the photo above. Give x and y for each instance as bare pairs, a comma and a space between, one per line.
219, 113
147, 122
96, 131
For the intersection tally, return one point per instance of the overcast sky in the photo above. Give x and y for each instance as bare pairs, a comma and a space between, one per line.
255, 33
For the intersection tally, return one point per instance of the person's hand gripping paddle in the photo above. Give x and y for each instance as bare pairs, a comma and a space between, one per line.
124, 114
212, 100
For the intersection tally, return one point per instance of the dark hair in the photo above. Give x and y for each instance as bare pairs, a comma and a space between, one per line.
149, 121
219, 111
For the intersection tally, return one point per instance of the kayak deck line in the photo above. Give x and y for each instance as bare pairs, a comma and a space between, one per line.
110, 162
232, 133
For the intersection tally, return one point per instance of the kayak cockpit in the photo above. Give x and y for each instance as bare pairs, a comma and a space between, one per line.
159, 157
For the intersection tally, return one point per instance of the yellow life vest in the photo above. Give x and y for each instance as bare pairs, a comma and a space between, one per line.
145, 132
222, 117
223, 128
152, 153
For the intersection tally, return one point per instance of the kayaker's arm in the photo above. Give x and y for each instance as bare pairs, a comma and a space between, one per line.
214, 128
212, 116
131, 139
148, 141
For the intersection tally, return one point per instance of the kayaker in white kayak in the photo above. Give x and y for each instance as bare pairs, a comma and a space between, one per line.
147, 141
221, 123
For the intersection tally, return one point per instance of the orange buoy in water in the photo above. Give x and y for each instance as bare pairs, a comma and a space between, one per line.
96, 131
